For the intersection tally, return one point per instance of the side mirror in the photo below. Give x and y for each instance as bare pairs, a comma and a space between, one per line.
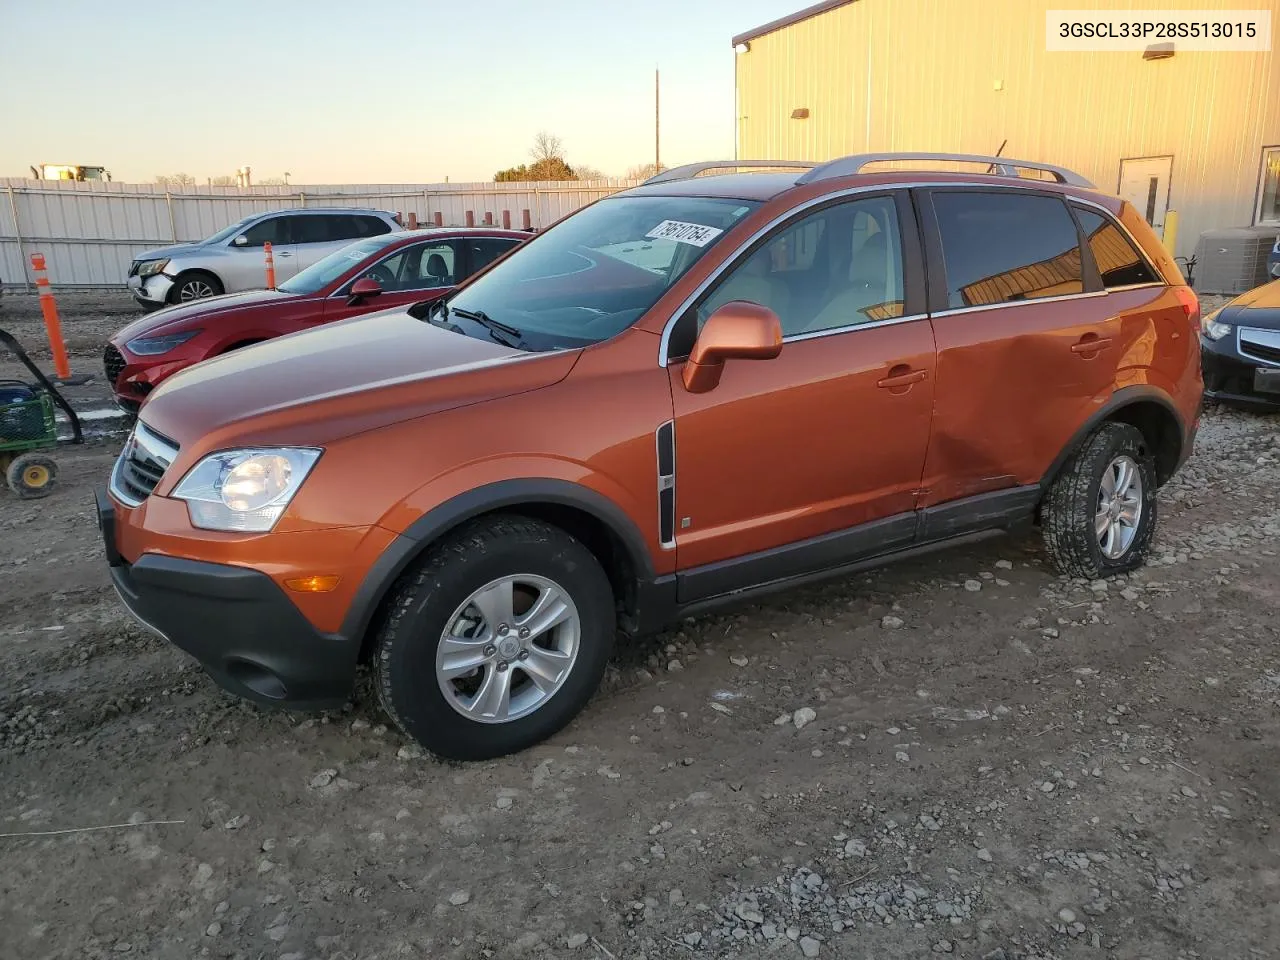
363, 289
739, 330
240, 241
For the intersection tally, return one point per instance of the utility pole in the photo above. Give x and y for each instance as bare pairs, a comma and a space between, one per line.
657, 153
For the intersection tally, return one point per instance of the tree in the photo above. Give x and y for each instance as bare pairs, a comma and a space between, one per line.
175, 180
272, 182
589, 173
546, 147
548, 163
645, 170
224, 181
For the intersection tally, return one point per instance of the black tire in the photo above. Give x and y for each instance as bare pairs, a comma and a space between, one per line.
32, 476
404, 663
195, 280
1068, 511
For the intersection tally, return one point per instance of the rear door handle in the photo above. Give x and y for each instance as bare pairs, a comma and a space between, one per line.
901, 375
1090, 343
284, 253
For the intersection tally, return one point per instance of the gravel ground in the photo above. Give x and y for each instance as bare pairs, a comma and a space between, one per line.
964, 754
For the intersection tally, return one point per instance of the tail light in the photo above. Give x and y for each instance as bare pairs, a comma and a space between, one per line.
1190, 304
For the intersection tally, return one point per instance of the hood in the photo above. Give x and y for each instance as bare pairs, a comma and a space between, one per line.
179, 316
173, 250
341, 379
1259, 307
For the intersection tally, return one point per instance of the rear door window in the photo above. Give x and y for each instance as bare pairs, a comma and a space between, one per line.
332, 227
1005, 247
485, 250
1119, 262
312, 228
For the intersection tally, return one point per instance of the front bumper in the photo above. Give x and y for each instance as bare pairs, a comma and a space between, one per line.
132, 378
1230, 377
236, 622
150, 291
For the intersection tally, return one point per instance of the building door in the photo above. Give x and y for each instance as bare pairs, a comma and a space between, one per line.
1144, 182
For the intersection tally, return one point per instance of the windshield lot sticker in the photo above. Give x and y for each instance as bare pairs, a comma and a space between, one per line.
694, 234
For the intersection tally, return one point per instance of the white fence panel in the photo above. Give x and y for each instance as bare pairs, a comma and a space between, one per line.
89, 232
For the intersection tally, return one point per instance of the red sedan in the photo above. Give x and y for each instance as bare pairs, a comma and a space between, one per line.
372, 274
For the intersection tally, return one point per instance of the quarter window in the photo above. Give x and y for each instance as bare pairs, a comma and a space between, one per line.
370, 226
1006, 247
1118, 262
839, 267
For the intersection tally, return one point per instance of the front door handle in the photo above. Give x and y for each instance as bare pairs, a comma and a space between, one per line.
1090, 344
901, 375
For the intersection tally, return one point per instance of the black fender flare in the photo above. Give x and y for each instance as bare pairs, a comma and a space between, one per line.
1122, 398
410, 544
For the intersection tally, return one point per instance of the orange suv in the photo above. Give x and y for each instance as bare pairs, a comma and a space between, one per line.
695, 391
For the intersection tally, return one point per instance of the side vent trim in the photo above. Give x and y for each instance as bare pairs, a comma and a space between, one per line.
666, 444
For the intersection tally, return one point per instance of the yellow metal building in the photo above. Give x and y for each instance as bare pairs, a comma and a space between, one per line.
1195, 132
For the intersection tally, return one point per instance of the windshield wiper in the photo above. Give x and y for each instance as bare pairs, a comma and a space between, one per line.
505, 335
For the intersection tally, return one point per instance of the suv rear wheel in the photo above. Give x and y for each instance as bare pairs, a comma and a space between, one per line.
1100, 513
497, 640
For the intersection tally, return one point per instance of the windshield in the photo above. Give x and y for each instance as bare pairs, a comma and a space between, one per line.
594, 274
323, 272
227, 232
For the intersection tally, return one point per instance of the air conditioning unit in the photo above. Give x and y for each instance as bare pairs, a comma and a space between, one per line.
1233, 261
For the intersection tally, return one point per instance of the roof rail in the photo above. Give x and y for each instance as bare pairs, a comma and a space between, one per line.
693, 169
1001, 166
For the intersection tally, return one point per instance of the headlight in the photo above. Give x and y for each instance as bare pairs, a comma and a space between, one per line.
149, 268
1212, 328
244, 490
154, 346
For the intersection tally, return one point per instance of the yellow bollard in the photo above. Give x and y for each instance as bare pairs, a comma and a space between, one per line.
1170, 237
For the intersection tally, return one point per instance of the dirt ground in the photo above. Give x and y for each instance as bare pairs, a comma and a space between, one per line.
965, 754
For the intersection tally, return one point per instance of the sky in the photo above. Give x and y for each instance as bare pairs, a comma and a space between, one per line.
382, 91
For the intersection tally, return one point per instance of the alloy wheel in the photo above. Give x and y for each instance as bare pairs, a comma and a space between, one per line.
1119, 509
194, 290
508, 648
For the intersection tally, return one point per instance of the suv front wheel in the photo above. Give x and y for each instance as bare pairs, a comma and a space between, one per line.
497, 640
194, 285
1100, 512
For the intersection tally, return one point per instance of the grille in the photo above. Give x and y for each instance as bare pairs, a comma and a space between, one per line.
142, 463
1261, 351
113, 361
